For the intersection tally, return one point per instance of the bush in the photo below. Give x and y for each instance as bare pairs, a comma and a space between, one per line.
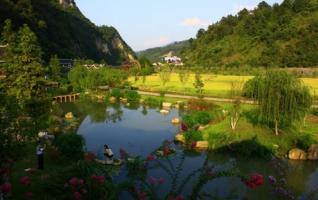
193, 136
70, 145
200, 105
219, 139
153, 102
315, 111
132, 96
198, 118
304, 141
116, 92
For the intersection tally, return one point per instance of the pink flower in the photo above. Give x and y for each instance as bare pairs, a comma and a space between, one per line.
73, 181
150, 157
25, 180
80, 181
193, 145
152, 180
28, 194
142, 195
161, 180
184, 127
77, 195
101, 179
6, 188
255, 181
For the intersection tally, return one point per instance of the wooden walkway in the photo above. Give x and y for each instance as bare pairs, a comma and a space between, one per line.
66, 98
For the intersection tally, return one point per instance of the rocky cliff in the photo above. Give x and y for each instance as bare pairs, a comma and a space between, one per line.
63, 30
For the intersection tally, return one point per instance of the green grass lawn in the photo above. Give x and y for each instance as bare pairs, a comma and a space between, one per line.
215, 85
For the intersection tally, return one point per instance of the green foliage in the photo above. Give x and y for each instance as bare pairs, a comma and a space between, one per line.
282, 98
198, 84
153, 102
193, 136
315, 111
278, 35
70, 145
132, 96
201, 118
83, 79
66, 32
116, 92
304, 141
55, 68
155, 54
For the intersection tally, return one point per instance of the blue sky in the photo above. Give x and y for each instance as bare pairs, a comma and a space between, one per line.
150, 23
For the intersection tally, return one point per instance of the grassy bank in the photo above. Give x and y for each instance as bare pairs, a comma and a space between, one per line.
215, 85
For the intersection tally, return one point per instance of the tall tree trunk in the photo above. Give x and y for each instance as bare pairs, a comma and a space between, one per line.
276, 127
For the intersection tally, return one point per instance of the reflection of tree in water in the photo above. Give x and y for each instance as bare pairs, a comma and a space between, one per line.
144, 110
114, 114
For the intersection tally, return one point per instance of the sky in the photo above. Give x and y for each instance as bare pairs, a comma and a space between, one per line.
145, 24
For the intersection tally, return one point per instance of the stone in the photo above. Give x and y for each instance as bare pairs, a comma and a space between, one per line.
123, 100
176, 120
202, 145
313, 152
112, 99
69, 115
100, 97
201, 128
165, 112
166, 105
180, 138
297, 154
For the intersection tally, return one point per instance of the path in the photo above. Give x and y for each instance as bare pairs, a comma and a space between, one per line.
216, 99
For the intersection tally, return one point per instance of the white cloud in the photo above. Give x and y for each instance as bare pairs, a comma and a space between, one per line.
194, 21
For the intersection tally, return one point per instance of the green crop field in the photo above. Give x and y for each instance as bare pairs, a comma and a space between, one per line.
215, 85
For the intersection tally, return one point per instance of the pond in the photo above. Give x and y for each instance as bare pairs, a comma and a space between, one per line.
141, 130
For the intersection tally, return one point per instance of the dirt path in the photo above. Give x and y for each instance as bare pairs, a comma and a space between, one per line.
216, 99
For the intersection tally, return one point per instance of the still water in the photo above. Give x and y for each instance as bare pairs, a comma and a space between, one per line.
141, 130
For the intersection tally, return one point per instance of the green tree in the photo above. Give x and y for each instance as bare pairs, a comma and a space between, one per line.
282, 98
78, 77
198, 84
28, 47
184, 76
9, 38
55, 68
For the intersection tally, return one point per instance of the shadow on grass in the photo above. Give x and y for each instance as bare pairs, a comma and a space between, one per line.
247, 148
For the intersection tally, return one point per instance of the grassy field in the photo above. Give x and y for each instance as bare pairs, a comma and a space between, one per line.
215, 85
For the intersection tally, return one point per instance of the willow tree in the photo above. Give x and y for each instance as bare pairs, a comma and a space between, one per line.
283, 99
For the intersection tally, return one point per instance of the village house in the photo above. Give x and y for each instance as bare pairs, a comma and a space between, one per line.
170, 58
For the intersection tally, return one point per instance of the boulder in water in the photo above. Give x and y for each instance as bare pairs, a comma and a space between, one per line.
313, 152
297, 154
69, 115
176, 120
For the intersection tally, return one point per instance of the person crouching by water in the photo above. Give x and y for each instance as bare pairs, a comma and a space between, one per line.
40, 153
109, 156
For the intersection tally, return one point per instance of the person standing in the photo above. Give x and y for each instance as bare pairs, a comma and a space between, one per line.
40, 153
109, 156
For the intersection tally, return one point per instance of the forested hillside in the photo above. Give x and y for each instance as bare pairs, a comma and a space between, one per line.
63, 30
154, 54
284, 35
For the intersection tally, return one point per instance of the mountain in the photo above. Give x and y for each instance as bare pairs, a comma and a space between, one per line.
63, 30
281, 35
154, 54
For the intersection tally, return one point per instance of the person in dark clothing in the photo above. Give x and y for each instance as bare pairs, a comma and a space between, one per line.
40, 153
108, 153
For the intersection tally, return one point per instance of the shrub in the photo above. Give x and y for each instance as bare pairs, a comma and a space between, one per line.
70, 145
203, 117
200, 105
304, 141
153, 102
116, 92
193, 136
219, 139
315, 111
132, 96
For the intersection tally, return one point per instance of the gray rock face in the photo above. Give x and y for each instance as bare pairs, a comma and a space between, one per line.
67, 3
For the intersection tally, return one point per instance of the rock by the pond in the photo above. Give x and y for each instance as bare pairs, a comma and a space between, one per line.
313, 152
123, 100
297, 154
165, 112
201, 128
100, 97
166, 105
112, 99
180, 138
176, 120
202, 145
69, 115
